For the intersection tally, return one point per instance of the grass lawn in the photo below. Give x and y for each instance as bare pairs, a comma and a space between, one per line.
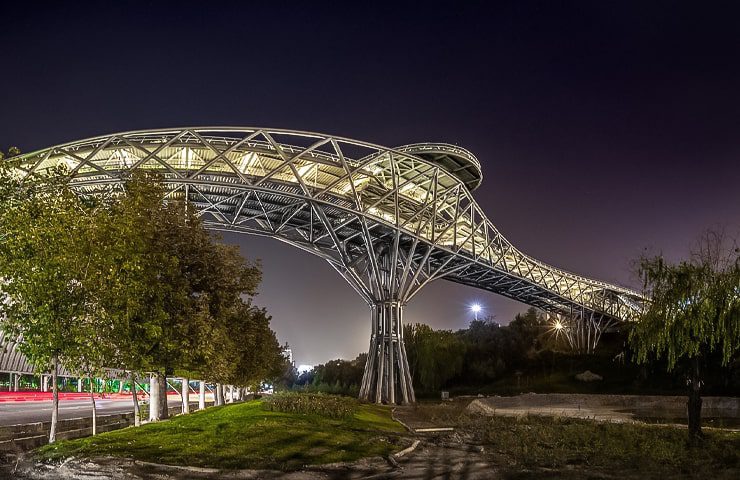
245, 435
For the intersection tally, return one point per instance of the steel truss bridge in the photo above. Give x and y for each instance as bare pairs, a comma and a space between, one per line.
388, 220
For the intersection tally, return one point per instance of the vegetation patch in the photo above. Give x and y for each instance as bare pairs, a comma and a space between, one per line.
558, 444
244, 435
332, 406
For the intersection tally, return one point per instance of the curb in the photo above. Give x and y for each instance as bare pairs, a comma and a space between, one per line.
393, 416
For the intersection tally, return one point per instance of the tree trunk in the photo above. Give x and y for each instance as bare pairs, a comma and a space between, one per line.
54, 401
202, 395
219, 394
153, 397
164, 412
694, 404
94, 409
137, 410
185, 395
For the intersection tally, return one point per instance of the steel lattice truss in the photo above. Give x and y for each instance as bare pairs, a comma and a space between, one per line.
388, 220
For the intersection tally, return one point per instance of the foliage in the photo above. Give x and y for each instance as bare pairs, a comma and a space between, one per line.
542, 444
332, 406
51, 261
54, 255
337, 376
245, 435
434, 356
492, 351
126, 279
177, 296
248, 349
694, 306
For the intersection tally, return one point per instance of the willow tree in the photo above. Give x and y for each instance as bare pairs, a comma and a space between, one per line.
693, 310
434, 356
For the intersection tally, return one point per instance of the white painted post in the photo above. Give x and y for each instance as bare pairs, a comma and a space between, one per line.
219, 394
17, 382
202, 396
153, 397
44, 383
185, 395
79, 385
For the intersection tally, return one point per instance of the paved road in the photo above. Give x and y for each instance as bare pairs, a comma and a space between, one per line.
13, 413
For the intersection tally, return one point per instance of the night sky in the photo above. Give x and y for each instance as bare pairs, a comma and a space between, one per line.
603, 128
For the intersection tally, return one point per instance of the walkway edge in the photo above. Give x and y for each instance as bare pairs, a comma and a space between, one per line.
407, 450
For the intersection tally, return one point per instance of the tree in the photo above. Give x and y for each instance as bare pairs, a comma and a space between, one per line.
50, 268
132, 298
693, 310
177, 295
248, 349
434, 356
340, 376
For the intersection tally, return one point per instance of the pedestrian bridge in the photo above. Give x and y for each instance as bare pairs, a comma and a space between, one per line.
388, 220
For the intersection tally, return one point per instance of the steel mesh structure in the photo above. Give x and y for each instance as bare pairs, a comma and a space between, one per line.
388, 220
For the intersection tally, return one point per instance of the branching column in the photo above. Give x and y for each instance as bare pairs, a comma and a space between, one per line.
387, 376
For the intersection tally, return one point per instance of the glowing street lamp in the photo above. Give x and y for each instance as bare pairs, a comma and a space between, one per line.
475, 308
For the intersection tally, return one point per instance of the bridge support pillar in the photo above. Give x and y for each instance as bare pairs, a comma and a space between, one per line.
387, 377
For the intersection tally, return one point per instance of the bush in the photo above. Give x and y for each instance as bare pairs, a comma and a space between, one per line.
332, 406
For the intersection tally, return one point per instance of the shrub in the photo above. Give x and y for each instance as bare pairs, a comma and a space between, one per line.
332, 406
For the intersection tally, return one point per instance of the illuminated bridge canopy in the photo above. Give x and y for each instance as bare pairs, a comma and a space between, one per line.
267, 181
389, 220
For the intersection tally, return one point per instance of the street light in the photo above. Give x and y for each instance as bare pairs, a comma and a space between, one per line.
475, 308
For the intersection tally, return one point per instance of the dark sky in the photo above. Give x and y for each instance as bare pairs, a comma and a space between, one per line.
603, 127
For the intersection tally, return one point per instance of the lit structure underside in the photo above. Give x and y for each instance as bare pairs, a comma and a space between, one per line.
388, 220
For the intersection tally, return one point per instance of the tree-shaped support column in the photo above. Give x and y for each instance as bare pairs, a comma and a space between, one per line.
387, 376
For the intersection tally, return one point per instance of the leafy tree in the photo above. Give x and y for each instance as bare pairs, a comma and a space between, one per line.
177, 295
693, 311
435, 356
340, 376
133, 297
249, 351
50, 267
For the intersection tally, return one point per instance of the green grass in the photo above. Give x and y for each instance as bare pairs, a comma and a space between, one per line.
245, 436
538, 444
